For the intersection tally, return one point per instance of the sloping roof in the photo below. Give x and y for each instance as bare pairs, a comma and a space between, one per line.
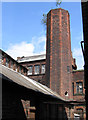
4, 53
27, 82
32, 58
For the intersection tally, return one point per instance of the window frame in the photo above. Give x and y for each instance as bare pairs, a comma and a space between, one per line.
37, 73
11, 64
78, 89
68, 69
30, 73
7, 62
42, 69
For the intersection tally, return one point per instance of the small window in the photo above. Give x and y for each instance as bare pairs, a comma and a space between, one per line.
36, 69
79, 87
30, 70
7, 62
20, 69
68, 69
11, 65
43, 69
73, 88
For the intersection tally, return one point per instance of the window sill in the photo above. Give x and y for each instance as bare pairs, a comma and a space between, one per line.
79, 94
36, 74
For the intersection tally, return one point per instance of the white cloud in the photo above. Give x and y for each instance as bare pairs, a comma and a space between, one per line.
42, 39
20, 49
37, 46
77, 53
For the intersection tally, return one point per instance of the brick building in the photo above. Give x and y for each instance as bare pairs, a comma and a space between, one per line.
20, 94
57, 69
9, 62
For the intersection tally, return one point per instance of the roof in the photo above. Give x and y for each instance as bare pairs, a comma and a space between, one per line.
27, 82
4, 53
32, 58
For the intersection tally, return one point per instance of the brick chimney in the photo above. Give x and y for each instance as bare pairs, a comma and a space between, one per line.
58, 53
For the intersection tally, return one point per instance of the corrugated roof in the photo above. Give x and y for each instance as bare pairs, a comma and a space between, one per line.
32, 58
27, 82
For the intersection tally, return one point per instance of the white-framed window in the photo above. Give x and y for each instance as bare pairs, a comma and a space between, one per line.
29, 70
43, 69
36, 69
79, 87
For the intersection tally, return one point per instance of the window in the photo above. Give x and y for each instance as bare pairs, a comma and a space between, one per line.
73, 88
68, 69
79, 87
36, 69
11, 64
7, 62
43, 69
20, 69
30, 70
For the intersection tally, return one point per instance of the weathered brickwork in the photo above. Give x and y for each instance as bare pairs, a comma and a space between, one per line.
58, 52
37, 77
61, 74
78, 76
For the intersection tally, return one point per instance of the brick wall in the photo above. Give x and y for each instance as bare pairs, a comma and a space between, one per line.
58, 52
37, 77
78, 76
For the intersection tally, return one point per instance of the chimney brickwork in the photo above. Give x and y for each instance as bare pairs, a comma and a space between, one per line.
58, 53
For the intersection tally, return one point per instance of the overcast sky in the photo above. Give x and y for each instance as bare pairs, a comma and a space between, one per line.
24, 35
